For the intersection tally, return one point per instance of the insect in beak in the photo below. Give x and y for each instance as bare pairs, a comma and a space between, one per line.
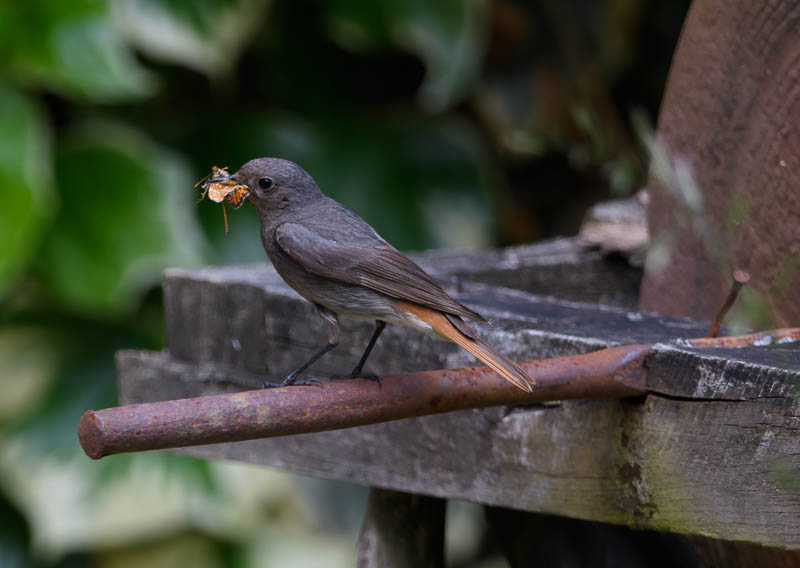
220, 186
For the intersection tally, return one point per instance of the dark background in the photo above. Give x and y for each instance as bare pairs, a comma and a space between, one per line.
443, 124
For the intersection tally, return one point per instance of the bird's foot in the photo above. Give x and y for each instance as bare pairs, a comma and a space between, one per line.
358, 374
291, 381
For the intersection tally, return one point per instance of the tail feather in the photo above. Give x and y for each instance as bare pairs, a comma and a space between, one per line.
498, 362
478, 348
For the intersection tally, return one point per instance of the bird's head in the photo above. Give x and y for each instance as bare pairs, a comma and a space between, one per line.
276, 184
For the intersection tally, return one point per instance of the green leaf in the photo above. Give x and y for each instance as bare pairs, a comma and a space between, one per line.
25, 179
449, 36
207, 35
127, 214
71, 48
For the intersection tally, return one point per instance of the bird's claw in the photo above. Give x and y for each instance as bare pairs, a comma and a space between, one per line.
292, 382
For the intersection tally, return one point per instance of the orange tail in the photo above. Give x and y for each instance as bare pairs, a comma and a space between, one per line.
501, 364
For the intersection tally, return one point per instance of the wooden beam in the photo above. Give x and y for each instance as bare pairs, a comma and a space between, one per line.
714, 451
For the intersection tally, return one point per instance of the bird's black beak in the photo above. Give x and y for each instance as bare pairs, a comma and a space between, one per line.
224, 177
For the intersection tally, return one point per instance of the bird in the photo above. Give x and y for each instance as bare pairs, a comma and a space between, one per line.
334, 259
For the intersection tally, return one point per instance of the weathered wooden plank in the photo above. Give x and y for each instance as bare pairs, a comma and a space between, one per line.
618, 226
715, 450
204, 306
561, 268
250, 319
727, 469
766, 371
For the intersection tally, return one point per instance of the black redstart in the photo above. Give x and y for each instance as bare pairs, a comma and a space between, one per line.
336, 261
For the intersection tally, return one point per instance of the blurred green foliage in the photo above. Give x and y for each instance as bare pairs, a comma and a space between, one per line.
71, 48
112, 176
28, 193
443, 123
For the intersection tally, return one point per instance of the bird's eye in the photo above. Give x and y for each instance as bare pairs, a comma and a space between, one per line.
265, 183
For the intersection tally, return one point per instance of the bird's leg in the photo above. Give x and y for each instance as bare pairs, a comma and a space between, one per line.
358, 370
291, 378
333, 340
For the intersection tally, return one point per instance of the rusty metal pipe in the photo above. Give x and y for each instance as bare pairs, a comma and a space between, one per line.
759, 339
609, 373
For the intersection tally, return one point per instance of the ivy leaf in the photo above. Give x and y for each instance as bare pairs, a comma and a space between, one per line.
206, 36
25, 179
127, 213
71, 48
449, 36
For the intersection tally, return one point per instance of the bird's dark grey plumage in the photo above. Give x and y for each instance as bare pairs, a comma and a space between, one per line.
334, 259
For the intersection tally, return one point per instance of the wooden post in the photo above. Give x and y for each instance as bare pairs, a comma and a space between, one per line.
401, 530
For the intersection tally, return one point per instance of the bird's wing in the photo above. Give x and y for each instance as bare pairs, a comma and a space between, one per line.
379, 267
